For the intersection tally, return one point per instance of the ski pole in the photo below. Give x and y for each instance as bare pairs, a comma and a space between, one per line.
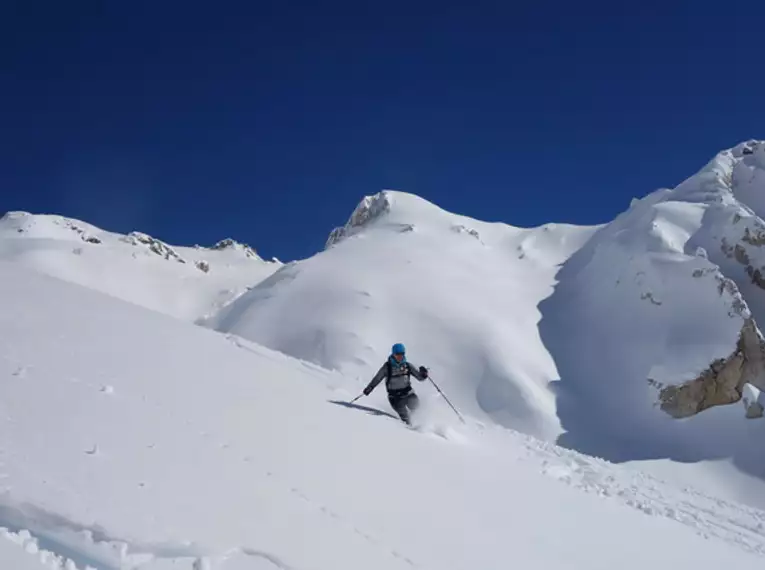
356, 398
447, 400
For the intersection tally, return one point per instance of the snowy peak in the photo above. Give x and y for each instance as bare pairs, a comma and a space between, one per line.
747, 177
400, 212
154, 245
748, 148
186, 282
370, 208
24, 224
232, 245
48, 226
736, 174
461, 293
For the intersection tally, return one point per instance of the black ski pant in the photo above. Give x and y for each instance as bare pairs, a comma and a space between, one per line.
404, 402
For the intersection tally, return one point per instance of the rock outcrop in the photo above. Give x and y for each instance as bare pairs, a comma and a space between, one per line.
741, 255
231, 244
154, 245
724, 381
461, 229
369, 209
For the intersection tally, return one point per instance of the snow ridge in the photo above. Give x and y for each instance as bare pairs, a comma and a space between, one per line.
154, 245
186, 282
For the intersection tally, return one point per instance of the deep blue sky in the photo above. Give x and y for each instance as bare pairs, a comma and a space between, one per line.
268, 121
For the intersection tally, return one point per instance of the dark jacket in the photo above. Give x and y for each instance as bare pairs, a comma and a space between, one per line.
398, 377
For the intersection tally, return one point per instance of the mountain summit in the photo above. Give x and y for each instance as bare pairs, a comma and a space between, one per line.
460, 293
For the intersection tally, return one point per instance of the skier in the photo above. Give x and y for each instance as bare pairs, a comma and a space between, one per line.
396, 372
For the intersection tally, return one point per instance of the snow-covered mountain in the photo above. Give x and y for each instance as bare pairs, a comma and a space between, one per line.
599, 338
669, 295
155, 445
461, 294
185, 282
635, 341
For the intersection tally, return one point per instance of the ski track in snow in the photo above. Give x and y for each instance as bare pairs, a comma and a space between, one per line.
64, 544
280, 483
709, 516
60, 543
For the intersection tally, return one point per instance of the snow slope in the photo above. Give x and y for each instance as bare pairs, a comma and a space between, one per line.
662, 292
585, 336
155, 444
591, 337
461, 294
188, 283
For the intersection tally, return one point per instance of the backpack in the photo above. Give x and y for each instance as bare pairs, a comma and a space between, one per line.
390, 372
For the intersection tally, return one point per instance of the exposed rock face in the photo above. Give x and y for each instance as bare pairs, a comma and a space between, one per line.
229, 243
756, 276
757, 239
370, 208
737, 304
84, 235
740, 254
723, 382
460, 229
154, 245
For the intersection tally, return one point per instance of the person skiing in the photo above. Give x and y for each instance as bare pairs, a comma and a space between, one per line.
396, 372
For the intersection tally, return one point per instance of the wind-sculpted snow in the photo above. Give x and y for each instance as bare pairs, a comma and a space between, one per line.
669, 295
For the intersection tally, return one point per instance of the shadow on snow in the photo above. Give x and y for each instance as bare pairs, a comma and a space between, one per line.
593, 404
368, 410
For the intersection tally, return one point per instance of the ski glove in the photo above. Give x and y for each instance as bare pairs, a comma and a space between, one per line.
367, 391
423, 372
